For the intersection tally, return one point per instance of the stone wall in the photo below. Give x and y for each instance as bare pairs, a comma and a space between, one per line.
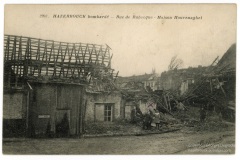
99, 100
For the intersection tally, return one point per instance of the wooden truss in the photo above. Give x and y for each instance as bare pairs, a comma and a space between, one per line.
45, 60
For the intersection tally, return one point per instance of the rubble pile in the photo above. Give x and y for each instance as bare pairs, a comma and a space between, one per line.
191, 120
188, 116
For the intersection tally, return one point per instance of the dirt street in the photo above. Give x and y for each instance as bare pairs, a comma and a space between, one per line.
179, 142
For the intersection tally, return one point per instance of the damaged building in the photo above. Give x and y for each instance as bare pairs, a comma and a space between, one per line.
215, 90
210, 87
142, 95
51, 87
134, 90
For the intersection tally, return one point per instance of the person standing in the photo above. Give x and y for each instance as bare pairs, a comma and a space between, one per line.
202, 114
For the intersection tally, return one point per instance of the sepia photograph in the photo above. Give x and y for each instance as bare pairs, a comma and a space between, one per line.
119, 79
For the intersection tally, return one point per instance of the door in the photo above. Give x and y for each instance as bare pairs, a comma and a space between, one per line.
62, 122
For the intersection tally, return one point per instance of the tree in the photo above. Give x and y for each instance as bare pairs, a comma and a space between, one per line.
175, 63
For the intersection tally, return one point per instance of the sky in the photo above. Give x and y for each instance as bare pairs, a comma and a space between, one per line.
138, 45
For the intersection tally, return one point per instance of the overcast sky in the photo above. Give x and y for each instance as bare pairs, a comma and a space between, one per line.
138, 45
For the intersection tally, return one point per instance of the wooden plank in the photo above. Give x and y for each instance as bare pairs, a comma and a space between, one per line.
63, 59
103, 56
77, 60
14, 49
210, 81
90, 57
7, 48
69, 61
19, 52
109, 62
14, 56
84, 56
30, 58
170, 108
221, 88
25, 71
48, 60
37, 55
58, 52
53, 60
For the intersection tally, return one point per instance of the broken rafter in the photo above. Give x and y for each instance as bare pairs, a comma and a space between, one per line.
25, 55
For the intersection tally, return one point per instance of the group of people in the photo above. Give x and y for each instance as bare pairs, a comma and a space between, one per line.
153, 117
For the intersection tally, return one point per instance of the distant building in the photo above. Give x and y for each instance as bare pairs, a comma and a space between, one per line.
180, 80
152, 82
146, 80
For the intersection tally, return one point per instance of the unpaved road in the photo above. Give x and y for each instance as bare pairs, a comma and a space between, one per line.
180, 142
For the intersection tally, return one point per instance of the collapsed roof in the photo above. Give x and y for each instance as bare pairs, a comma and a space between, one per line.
218, 85
38, 60
228, 61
